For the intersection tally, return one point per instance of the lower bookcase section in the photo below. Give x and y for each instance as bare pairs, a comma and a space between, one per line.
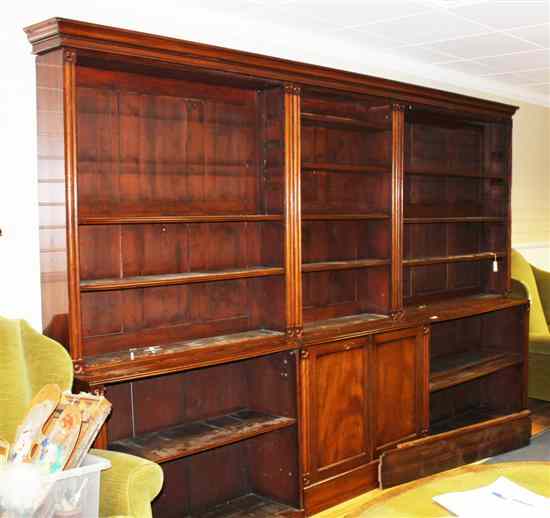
474, 361
226, 436
384, 407
254, 477
477, 400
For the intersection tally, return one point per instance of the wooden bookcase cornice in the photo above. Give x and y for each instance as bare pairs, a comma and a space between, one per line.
92, 38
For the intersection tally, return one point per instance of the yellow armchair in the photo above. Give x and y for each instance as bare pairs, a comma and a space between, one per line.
29, 361
536, 283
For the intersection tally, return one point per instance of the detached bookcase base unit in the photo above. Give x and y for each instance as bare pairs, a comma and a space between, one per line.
292, 282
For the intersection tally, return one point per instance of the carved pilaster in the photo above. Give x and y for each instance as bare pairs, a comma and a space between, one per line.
398, 164
293, 223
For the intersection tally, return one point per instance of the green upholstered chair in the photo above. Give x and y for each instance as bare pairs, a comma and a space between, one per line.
28, 361
536, 284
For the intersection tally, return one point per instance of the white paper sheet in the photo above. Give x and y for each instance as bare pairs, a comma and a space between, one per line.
501, 499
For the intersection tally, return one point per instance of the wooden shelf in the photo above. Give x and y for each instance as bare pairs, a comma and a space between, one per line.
423, 261
197, 218
170, 279
345, 168
443, 173
457, 219
189, 439
341, 216
446, 308
452, 370
248, 506
179, 356
346, 122
343, 265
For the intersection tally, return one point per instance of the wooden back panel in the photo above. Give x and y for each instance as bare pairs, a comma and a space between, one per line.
164, 145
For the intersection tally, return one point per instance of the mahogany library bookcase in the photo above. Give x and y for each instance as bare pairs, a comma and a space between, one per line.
292, 282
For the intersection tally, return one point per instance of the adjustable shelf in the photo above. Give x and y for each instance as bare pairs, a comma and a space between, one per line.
345, 168
480, 256
452, 370
456, 219
184, 218
449, 172
171, 279
345, 122
344, 217
188, 439
460, 307
343, 265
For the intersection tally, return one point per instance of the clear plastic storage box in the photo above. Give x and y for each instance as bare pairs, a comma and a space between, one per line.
73, 493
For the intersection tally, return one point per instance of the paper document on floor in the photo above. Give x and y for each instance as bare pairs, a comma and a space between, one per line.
502, 498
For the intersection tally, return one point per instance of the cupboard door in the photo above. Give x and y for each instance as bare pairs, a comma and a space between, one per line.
336, 387
400, 386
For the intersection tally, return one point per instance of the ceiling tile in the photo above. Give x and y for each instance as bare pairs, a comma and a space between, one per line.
269, 2
426, 27
218, 5
275, 21
364, 39
447, 4
466, 67
539, 34
520, 61
423, 53
354, 13
482, 46
508, 78
507, 14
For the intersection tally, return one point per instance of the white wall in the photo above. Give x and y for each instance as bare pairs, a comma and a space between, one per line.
187, 19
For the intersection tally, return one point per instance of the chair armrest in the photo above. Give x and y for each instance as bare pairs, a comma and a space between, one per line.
129, 486
543, 284
519, 290
539, 344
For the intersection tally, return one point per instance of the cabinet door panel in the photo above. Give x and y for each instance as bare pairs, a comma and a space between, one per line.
337, 388
400, 386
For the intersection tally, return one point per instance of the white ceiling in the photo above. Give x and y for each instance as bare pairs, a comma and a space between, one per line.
498, 46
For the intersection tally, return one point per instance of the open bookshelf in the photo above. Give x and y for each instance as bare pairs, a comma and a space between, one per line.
180, 207
225, 412
455, 208
346, 206
471, 360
